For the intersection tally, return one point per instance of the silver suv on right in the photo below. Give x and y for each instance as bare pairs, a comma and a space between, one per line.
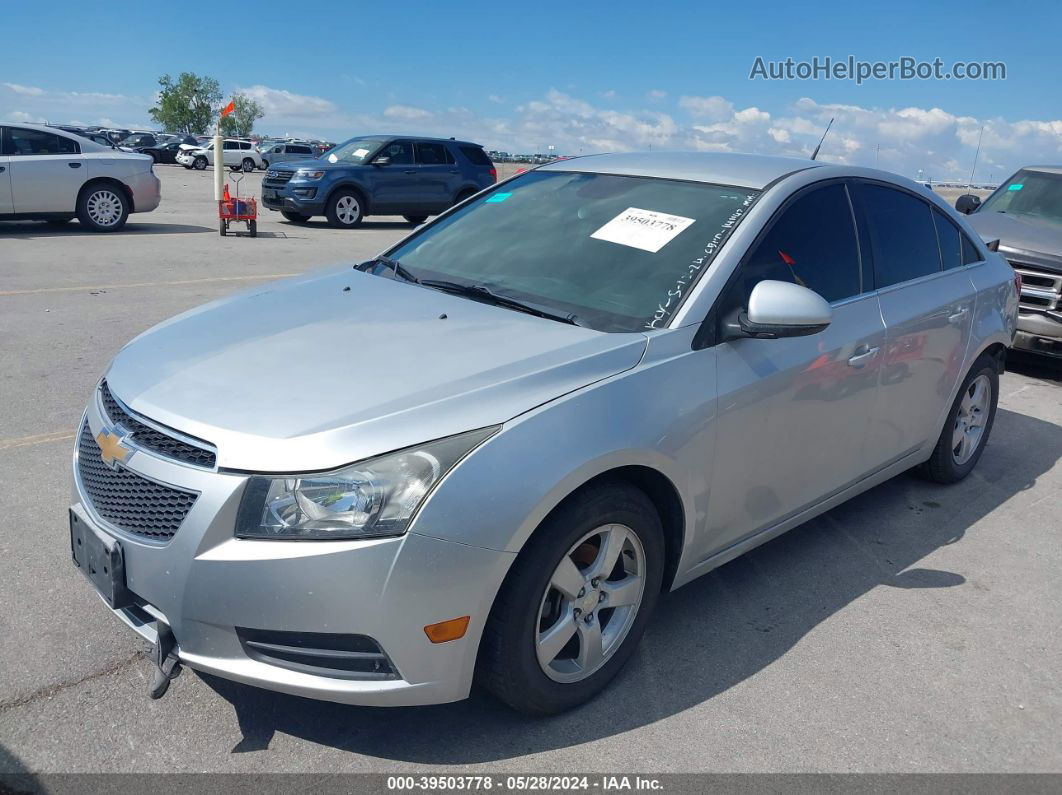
1025, 215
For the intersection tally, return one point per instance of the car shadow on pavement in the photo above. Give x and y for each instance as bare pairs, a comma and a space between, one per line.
1034, 366
35, 229
707, 637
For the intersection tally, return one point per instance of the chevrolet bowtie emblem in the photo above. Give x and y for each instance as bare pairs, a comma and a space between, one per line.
111, 448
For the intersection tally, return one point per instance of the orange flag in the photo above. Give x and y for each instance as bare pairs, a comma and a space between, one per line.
228, 109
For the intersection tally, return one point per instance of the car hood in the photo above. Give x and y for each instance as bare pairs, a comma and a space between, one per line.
306, 374
308, 162
1019, 234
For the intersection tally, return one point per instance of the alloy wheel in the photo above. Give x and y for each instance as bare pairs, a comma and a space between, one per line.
104, 207
970, 420
590, 603
347, 209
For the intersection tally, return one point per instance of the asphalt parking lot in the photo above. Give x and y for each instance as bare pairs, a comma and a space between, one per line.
916, 628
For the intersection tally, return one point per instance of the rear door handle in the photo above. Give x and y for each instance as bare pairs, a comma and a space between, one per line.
74, 165
863, 355
956, 318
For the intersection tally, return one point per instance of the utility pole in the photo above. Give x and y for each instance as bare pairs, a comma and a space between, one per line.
976, 153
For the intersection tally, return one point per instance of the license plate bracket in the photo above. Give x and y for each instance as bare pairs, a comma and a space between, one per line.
100, 559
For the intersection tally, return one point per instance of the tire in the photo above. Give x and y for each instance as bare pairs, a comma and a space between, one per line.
967, 427
462, 196
295, 218
416, 220
103, 207
200, 163
222, 229
344, 209
528, 608
265, 165
252, 227
248, 165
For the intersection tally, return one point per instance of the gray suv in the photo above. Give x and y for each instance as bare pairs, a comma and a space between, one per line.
379, 175
487, 452
283, 153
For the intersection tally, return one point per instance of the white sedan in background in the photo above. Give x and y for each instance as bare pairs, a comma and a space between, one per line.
52, 175
237, 154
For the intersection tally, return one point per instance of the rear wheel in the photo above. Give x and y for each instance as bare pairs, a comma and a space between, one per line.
576, 602
223, 228
968, 425
103, 208
344, 210
252, 227
295, 218
416, 220
463, 195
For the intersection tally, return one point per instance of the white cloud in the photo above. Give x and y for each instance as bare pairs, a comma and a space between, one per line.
30, 91
707, 107
278, 102
406, 113
656, 95
495, 98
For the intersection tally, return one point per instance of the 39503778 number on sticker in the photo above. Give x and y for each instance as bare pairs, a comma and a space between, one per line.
645, 229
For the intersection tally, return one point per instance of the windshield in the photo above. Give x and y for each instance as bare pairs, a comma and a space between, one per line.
356, 150
617, 252
1031, 194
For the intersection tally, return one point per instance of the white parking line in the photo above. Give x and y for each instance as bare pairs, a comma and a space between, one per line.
40, 438
208, 280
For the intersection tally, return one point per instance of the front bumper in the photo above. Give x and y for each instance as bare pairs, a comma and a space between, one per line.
284, 200
1039, 333
204, 584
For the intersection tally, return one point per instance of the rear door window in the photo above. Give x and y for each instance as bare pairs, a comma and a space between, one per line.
813, 244
970, 254
903, 237
433, 154
949, 237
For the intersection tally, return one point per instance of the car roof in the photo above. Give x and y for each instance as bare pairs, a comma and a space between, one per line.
423, 138
720, 168
1048, 169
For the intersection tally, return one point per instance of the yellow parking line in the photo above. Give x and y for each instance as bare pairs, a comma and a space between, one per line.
146, 284
40, 438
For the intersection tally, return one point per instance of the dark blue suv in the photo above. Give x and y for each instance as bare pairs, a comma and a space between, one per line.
379, 175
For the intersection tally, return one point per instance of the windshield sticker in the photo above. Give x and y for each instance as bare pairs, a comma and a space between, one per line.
1016, 187
645, 229
666, 308
360, 152
497, 197
333, 159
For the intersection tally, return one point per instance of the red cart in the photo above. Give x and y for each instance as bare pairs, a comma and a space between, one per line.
237, 209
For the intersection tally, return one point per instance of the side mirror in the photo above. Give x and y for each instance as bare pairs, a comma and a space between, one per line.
382, 160
779, 309
967, 203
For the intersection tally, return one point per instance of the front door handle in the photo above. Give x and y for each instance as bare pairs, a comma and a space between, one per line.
956, 318
410, 171
3, 169
863, 355
74, 165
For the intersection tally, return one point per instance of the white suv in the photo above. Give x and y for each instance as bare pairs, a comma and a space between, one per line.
51, 175
237, 154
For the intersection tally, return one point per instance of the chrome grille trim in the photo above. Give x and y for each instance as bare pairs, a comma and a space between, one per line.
126, 500
155, 438
1041, 290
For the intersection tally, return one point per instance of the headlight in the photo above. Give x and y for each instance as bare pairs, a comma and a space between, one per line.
374, 498
308, 173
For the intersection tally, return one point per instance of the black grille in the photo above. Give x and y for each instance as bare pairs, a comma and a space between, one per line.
276, 178
151, 439
127, 500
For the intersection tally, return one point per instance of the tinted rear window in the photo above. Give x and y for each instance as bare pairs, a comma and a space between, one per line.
950, 241
476, 155
903, 238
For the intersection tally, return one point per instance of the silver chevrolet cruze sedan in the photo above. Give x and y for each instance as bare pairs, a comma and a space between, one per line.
483, 454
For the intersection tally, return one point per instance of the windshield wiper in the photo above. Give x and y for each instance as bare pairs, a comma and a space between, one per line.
396, 267
481, 292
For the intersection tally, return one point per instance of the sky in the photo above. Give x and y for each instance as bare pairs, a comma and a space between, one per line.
581, 77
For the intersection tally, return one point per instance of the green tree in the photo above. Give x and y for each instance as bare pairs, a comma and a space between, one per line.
241, 121
188, 105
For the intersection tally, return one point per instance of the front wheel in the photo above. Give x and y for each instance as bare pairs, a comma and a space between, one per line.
576, 602
416, 220
200, 163
248, 165
344, 210
103, 208
968, 425
295, 218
